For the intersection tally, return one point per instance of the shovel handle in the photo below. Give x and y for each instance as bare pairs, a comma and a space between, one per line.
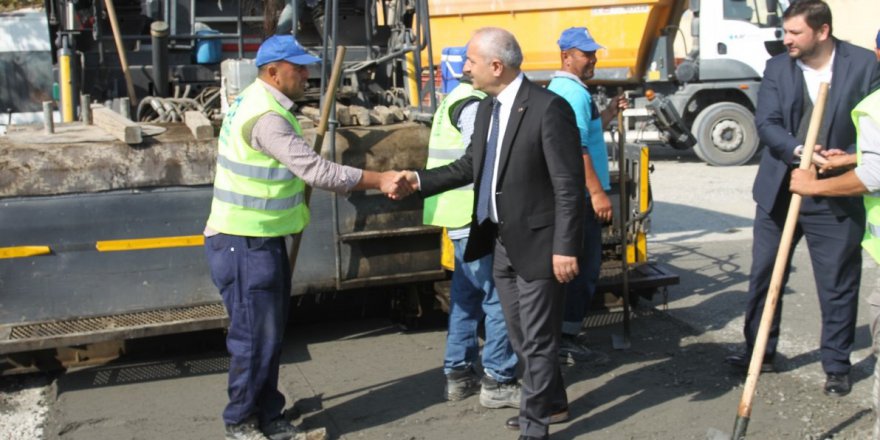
745, 405
120, 49
329, 97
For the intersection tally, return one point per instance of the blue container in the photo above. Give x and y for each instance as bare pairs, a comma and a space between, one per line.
208, 51
451, 63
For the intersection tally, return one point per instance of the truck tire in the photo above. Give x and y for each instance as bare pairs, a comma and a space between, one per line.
726, 134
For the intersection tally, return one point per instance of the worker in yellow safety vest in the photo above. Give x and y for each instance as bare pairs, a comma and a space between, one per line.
863, 179
263, 166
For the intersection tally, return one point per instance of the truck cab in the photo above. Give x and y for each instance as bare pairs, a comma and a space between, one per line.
734, 38
715, 87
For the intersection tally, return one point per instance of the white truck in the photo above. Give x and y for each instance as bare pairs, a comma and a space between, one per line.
715, 87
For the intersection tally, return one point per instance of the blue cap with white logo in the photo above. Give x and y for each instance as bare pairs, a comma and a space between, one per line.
284, 48
578, 38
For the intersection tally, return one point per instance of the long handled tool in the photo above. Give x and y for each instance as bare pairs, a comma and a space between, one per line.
745, 404
622, 342
120, 49
319, 139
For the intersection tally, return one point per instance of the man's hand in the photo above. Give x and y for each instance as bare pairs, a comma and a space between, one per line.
601, 206
817, 150
616, 104
836, 160
412, 180
620, 103
397, 185
565, 268
802, 181
819, 160
394, 185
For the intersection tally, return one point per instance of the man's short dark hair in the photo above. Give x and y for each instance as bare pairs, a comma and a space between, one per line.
815, 12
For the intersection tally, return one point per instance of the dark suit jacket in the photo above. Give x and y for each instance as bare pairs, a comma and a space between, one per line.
778, 117
540, 195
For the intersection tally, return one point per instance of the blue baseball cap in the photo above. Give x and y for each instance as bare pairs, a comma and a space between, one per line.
578, 38
284, 48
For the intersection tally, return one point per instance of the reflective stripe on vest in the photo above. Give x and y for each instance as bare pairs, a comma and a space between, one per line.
869, 107
454, 208
874, 230
449, 154
255, 195
255, 172
256, 202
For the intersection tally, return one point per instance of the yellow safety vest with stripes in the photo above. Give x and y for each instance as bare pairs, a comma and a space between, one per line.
870, 107
453, 208
255, 195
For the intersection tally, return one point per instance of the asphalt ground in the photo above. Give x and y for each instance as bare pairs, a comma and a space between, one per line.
369, 378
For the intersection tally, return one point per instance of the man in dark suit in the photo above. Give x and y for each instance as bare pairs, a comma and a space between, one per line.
833, 227
525, 163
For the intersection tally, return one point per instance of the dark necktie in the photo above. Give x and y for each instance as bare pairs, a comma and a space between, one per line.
488, 165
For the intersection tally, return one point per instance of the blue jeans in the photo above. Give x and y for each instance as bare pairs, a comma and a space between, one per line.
579, 292
473, 297
253, 275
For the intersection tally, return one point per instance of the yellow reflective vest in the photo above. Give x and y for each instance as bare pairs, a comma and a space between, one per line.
869, 107
453, 208
255, 195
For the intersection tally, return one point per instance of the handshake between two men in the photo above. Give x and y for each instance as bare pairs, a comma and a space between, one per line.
397, 185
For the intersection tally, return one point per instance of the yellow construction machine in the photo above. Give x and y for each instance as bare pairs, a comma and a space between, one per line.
101, 230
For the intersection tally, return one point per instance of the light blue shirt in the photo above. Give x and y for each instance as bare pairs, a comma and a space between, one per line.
589, 121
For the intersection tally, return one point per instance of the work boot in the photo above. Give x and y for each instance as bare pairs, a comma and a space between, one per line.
560, 416
740, 362
246, 430
837, 384
573, 350
281, 429
494, 394
461, 383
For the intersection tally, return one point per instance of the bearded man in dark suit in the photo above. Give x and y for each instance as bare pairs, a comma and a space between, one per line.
833, 227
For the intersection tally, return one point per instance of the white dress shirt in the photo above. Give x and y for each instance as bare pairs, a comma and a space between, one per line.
506, 98
812, 77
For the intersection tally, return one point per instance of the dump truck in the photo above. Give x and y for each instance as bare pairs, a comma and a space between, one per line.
627, 272
705, 99
101, 239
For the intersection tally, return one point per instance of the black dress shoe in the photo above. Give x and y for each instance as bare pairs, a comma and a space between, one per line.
557, 417
528, 437
741, 361
837, 385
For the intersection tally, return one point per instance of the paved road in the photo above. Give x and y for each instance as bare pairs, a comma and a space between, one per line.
367, 379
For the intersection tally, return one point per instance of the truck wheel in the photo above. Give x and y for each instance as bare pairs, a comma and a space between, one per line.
726, 134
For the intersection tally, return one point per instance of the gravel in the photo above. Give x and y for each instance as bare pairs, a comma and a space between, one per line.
23, 407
